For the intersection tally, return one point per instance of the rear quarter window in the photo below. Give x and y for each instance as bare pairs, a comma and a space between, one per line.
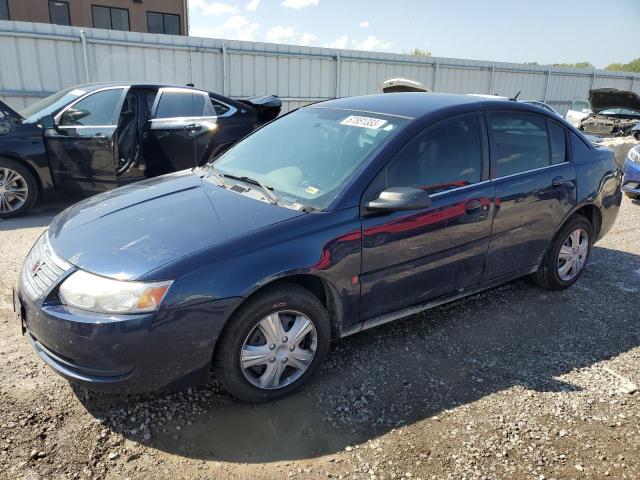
579, 149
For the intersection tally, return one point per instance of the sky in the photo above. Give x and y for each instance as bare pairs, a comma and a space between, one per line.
543, 31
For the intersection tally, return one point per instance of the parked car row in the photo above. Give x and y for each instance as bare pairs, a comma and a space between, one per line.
94, 137
335, 218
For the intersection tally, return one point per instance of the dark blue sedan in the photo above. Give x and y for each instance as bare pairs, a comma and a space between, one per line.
330, 220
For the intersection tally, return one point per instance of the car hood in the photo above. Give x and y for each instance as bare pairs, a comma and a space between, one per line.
604, 98
133, 230
9, 119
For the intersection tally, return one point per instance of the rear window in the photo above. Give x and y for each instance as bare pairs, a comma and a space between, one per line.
580, 105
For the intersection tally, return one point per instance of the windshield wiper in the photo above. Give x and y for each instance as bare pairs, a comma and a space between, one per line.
267, 189
214, 174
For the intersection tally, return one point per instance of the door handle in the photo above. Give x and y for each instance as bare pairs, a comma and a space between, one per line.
99, 135
473, 207
193, 127
561, 182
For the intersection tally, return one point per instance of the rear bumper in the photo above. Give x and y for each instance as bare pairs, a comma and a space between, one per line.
125, 353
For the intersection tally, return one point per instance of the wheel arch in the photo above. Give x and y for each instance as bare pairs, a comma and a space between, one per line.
318, 286
589, 211
28, 166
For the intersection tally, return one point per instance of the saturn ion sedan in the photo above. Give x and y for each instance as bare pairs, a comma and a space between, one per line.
335, 218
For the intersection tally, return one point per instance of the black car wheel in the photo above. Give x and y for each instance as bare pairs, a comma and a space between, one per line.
273, 344
18, 188
567, 256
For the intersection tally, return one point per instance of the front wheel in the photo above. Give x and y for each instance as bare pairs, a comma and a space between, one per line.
18, 188
273, 345
567, 256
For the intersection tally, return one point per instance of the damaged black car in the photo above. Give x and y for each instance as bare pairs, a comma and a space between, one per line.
91, 138
615, 113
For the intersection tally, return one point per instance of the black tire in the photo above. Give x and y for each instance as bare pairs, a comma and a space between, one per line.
547, 274
32, 187
283, 297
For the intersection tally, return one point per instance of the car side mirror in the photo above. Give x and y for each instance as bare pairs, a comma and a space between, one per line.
48, 122
399, 198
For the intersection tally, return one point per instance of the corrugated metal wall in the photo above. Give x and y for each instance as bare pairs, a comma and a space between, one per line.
39, 59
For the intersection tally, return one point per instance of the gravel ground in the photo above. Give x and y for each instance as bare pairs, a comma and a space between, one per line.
512, 383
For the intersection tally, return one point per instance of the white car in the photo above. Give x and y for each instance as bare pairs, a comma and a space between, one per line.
579, 109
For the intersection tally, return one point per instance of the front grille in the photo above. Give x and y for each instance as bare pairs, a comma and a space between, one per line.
42, 269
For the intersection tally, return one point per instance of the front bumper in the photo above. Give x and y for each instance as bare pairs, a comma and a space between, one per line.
168, 349
631, 178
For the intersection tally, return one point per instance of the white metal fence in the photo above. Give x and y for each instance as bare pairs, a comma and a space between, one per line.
38, 59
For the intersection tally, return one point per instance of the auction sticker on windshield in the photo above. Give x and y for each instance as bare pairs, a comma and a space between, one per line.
363, 122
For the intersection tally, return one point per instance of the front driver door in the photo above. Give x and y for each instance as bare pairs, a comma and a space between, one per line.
81, 148
410, 257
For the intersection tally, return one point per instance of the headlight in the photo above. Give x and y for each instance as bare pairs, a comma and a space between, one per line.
99, 294
634, 154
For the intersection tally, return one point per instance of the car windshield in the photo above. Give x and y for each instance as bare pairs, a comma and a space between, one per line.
308, 155
52, 103
619, 111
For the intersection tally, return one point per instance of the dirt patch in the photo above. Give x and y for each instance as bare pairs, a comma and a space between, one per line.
512, 383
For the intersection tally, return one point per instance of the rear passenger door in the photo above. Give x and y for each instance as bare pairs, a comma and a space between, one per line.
410, 257
535, 188
172, 133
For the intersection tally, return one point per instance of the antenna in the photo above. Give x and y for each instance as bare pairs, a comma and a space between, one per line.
516, 96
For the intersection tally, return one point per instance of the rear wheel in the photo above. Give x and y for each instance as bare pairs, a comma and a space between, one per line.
567, 256
18, 188
273, 344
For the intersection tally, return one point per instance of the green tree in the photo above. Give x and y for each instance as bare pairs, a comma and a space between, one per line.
632, 66
574, 65
420, 53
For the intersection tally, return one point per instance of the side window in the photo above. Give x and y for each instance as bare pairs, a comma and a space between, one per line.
179, 103
97, 110
442, 157
520, 142
558, 143
219, 109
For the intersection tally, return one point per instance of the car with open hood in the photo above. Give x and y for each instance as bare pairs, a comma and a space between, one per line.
612, 113
91, 138
330, 220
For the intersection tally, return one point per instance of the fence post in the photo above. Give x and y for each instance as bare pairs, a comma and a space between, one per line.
546, 85
593, 79
85, 55
435, 77
224, 70
338, 73
493, 70
633, 80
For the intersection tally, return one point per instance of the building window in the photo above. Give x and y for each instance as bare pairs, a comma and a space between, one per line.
163, 23
4, 10
59, 12
110, 18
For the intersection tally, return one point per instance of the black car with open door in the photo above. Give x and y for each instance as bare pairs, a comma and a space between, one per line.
91, 138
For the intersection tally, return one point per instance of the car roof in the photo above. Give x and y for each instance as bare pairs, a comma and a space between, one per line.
406, 104
89, 87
